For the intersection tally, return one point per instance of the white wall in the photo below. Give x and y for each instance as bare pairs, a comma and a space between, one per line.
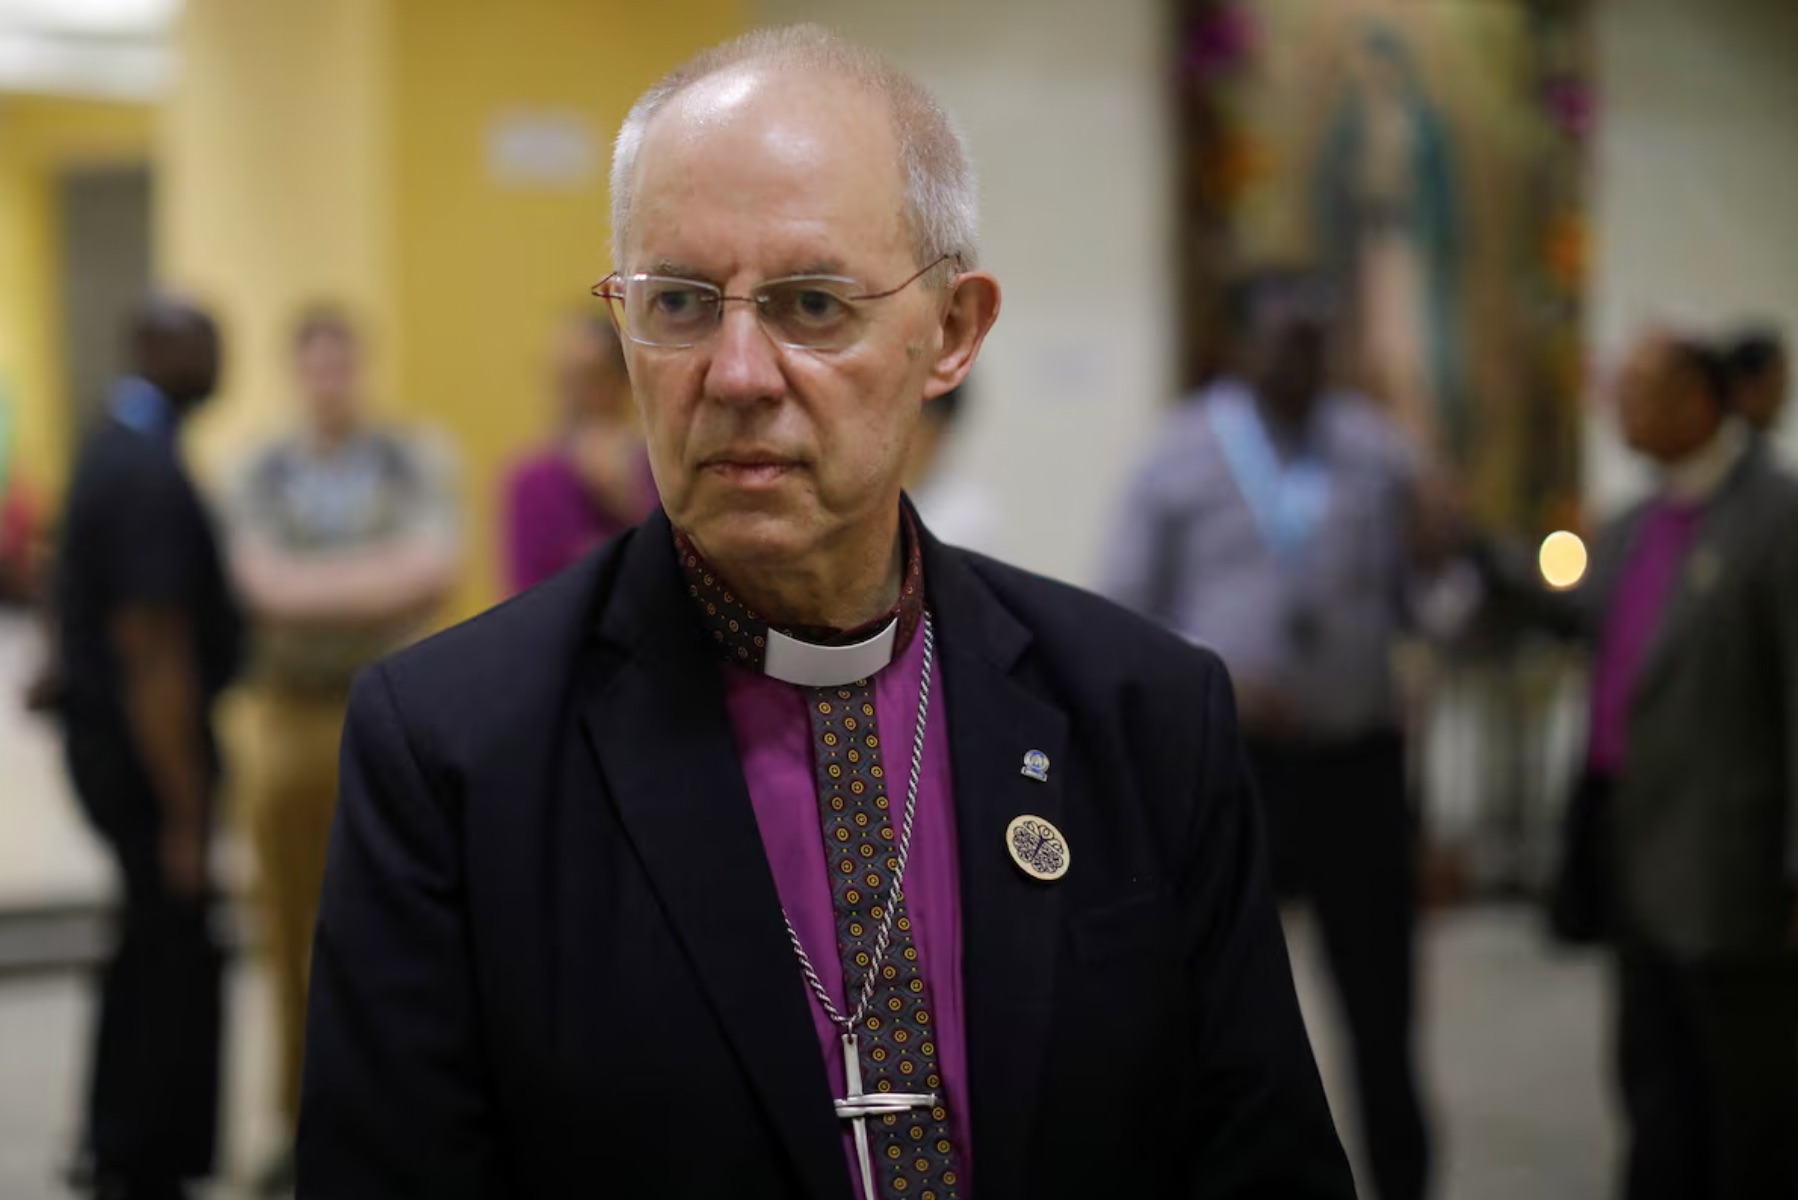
1696, 180
1065, 104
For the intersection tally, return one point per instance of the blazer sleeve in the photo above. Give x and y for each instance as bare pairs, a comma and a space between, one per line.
396, 1100
1265, 1131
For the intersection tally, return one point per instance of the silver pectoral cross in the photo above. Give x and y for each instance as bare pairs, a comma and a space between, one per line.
858, 1106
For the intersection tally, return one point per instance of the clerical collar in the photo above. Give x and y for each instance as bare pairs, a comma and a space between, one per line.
1700, 476
811, 656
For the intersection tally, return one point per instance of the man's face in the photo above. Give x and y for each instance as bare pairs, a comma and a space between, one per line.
329, 365
1763, 398
763, 453
189, 364
1291, 357
1662, 404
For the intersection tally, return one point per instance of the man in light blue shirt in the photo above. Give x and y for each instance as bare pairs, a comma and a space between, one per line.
1274, 522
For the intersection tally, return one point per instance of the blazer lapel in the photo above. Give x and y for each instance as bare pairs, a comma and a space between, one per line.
1010, 922
658, 726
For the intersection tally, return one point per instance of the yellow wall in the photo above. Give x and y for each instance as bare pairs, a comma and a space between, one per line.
337, 149
485, 269
40, 137
273, 170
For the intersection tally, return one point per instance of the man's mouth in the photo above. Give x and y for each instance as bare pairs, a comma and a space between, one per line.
750, 469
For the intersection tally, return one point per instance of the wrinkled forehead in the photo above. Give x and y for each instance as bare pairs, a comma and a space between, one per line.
756, 164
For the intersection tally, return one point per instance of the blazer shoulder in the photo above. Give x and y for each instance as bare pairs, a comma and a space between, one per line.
1104, 642
499, 658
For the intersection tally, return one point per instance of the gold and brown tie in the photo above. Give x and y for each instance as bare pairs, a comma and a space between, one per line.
915, 1151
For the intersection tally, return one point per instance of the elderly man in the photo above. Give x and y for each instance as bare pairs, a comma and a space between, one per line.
779, 850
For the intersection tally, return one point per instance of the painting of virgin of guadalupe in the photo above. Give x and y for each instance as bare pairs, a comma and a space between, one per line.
1429, 158
1389, 231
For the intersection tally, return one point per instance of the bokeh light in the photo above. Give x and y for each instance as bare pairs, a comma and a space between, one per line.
1563, 560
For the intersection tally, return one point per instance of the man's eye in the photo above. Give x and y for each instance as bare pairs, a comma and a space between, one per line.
673, 302
809, 305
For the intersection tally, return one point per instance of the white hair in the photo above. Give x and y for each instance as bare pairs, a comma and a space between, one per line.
941, 200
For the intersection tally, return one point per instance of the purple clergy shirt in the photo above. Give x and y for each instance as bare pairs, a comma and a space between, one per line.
1636, 610
773, 732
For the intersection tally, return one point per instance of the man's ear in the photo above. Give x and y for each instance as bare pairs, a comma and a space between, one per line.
973, 307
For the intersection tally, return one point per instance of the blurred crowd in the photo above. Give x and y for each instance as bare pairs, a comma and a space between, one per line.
1290, 524
331, 546
1280, 517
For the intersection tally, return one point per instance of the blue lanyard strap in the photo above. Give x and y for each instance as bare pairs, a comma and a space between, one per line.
1288, 499
139, 405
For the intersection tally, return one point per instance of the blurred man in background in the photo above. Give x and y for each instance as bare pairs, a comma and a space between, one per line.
343, 543
148, 637
957, 507
1273, 522
1760, 375
593, 482
1694, 735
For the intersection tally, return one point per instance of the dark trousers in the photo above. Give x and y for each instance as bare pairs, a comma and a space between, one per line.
1709, 1062
1341, 835
153, 1096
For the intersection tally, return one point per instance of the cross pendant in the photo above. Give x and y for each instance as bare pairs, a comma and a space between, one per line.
857, 1106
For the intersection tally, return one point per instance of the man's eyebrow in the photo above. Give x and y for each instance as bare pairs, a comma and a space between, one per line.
804, 270
817, 266
679, 270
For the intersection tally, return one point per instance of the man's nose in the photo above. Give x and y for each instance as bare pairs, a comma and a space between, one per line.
745, 364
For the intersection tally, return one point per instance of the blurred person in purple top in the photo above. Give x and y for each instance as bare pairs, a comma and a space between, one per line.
778, 849
593, 482
1691, 787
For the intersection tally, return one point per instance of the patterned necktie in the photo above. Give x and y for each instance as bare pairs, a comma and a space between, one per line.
915, 1152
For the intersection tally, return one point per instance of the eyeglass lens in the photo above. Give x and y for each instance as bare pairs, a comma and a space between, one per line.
813, 314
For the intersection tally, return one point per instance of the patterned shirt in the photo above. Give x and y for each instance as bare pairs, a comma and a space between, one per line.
377, 486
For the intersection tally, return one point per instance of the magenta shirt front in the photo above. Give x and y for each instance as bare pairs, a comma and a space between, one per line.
773, 731
1637, 609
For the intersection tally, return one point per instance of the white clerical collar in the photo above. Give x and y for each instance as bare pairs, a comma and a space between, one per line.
792, 661
1701, 475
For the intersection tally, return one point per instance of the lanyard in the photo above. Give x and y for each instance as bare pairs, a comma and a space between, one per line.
1288, 499
140, 406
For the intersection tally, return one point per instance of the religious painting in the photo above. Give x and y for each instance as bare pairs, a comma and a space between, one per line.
1426, 158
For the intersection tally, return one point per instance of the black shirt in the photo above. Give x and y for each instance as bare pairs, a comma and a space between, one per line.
135, 533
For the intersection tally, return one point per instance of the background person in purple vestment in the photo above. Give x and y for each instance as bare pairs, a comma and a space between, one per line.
592, 482
1691, 789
